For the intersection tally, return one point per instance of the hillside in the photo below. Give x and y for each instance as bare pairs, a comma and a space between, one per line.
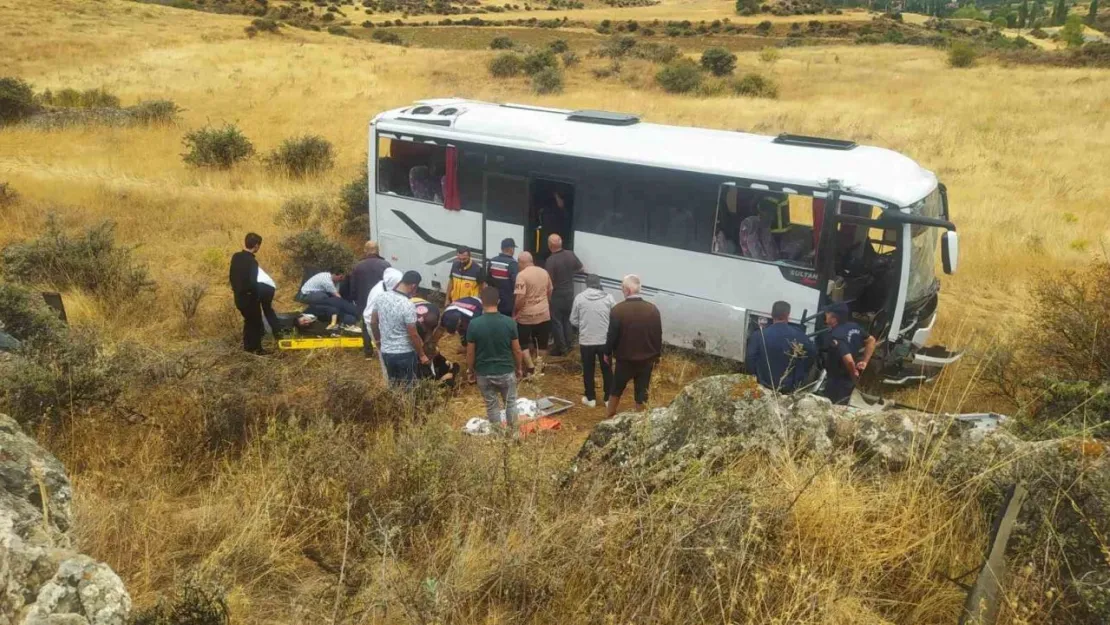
308, 493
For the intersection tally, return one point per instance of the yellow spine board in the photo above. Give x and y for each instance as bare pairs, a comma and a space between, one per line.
321, 343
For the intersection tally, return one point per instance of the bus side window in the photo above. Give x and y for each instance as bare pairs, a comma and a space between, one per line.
765, 225
413, 169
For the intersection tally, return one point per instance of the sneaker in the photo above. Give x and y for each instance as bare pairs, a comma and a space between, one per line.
351, 329
592, 403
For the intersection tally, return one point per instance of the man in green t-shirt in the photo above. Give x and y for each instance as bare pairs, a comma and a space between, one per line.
493, 353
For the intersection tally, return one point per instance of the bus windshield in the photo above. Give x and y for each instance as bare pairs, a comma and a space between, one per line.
923, 249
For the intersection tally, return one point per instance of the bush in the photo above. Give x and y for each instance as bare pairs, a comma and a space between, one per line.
217, 147
17, 101
189, 296
385, 36
25, 316
718, 61
618, 47
72, 98
46, 385
502, 43
536, 62
656, 53
506, 65
961, 55
769, 55
570, 58
548, 80
196, 604
1072, 32
682, 76
755, 86
558, 46
338, 31
311, 251
302, 156
92, 262
304, 212
265, 25
154, 112
354, 199
8, 194
765, 27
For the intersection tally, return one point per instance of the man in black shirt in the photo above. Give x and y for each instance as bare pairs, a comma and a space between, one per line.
243, 276
562, 265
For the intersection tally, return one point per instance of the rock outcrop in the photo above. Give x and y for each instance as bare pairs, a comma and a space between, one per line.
43, 581
719, 417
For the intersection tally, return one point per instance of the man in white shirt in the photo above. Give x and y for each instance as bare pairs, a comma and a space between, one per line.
390, 279
267, 289
320, 290
393, 323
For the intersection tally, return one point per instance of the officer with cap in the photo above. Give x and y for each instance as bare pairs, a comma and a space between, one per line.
848, 350
501, 271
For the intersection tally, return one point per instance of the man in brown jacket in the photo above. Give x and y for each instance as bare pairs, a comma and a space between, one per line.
635, 341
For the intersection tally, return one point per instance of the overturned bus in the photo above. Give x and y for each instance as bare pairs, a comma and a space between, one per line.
718, 224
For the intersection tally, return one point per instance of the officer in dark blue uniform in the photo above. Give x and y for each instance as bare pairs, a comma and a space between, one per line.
848, 350
780, 355
501, 272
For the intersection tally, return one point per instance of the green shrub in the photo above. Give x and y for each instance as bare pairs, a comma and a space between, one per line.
570, 58
559, 46
354, 200
389, 37
718, 61
536, 62
1072, 32
17, 100
502, 43
304, 212
506, 65
265, 25
338, 31
656, 53
46, 385
195, 604
154, 112
25, 316
769, 55
91, 261
217, 147
681, 76
302, 156
765, 27
311, 251
961, 55
617, 47
547, 80
72, 98
755, 86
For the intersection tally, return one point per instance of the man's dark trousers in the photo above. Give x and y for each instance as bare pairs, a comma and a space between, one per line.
561, 305
251, 310
591, 354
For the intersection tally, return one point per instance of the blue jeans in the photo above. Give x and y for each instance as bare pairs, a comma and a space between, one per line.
496, 389
401, 368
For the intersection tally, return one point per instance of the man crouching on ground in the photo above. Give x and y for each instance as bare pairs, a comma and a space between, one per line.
493, 353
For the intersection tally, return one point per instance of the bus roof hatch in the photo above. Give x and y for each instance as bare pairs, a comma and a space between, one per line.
814, 142
606, 118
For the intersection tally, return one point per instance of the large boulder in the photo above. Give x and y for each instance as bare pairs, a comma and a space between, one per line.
43, 581
722, 416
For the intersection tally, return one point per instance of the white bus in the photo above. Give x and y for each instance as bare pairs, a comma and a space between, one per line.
718, 224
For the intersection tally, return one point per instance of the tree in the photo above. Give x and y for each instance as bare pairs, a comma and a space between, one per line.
1072, 32
1059, 13
1092, 14
1023, 14
1037, 12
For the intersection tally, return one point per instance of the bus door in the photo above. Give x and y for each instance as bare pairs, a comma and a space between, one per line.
550, 211
505, 202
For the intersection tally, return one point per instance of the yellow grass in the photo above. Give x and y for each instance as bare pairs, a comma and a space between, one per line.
1022, 150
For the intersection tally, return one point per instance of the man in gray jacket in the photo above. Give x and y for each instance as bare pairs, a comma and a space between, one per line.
590, 314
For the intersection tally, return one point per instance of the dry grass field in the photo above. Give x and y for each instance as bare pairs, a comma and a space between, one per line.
1022, 150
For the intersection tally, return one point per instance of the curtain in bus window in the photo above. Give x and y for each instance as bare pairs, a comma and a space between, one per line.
451, 181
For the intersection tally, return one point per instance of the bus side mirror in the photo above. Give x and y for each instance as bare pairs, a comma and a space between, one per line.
950, 251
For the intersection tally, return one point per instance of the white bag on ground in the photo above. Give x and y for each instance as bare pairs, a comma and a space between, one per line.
477, 426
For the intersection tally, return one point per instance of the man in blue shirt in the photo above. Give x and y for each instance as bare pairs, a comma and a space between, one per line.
848, 350
501, 272
780, 354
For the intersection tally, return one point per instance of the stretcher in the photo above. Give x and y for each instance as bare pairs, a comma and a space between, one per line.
547, 406
328, 342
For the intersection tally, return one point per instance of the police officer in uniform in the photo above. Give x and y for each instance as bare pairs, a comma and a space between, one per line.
780, 354
501, 272
848, 350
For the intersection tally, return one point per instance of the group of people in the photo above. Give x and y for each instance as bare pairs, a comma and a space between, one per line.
508, 313
780, 355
